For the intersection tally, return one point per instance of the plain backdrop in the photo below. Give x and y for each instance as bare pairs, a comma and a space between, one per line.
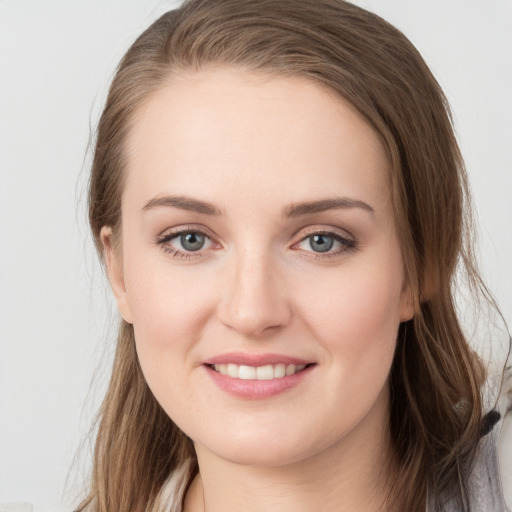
56, 332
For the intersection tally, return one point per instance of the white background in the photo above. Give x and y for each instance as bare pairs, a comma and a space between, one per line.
56, 58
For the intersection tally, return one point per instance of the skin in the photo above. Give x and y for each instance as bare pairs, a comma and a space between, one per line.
252, 145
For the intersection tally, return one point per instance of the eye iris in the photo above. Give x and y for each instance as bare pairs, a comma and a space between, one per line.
321, 243
192, 241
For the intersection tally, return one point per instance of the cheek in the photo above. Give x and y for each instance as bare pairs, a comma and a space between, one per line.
170, 306
169, 310
356, 323
355, 312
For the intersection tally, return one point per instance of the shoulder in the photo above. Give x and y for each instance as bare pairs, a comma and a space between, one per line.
490, 480
491, 477
505, 435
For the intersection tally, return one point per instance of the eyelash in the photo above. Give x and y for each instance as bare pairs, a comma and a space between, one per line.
163, 241
348, 244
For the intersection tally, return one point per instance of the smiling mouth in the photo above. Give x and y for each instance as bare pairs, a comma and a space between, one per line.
267, 372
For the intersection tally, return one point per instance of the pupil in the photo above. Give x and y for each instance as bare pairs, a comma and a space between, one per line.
321, 243
192, 241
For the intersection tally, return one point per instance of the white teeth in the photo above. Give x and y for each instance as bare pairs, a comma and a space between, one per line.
232, 370
267, 372
247, 372
279, 371
290, 369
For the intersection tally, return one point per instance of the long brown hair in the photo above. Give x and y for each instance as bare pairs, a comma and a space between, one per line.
435, 378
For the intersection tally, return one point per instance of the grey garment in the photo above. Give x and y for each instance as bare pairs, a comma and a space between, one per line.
485, 480
485, 489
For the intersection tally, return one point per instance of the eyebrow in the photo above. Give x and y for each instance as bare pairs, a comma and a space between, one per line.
291, 211
337, 203
183, 203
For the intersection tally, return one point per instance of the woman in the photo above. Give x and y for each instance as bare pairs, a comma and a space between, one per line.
280, 204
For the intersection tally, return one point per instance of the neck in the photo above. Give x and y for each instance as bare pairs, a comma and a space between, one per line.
352, 475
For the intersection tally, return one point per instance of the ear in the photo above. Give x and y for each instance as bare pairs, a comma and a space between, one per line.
114, 264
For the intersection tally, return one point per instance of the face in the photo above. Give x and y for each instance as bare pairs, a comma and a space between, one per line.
259, 265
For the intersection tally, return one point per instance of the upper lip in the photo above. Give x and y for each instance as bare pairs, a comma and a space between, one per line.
240, 358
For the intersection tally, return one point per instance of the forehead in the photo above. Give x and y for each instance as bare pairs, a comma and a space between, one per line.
219, 128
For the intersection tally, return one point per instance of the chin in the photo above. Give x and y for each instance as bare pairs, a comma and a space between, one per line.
271, 450
260, 457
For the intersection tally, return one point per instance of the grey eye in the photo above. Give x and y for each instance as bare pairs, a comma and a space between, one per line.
192, 241
321, 243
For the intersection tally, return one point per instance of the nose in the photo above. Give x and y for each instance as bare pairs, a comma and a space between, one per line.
254, 301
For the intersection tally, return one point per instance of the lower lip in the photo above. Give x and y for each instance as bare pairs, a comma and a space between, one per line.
256, 389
